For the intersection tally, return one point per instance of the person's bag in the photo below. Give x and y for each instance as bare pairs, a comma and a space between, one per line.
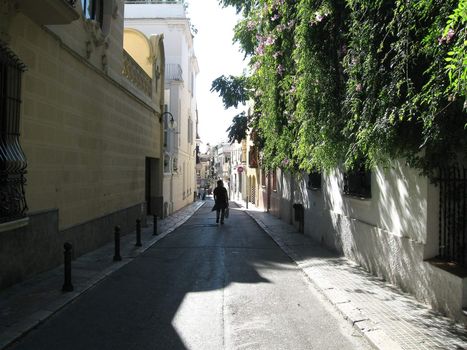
226, 213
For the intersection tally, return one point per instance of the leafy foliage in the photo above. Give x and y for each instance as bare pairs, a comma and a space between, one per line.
238, 130
233, 90
346, 81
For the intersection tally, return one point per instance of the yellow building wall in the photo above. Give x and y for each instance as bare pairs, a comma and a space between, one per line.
137, 45
84, 135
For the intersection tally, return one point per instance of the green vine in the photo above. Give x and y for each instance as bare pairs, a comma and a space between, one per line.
351, 81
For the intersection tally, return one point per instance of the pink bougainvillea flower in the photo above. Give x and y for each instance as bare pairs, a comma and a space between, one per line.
446, 39
260, 49
251, 25
277, 54
359, 87
280, 69
281, 27
450, 35
270, 40
275, 17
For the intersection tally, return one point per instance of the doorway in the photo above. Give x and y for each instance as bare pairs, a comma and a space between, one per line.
153, 187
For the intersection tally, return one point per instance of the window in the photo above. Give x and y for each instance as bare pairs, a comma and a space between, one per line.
314, 180
263, 177
190, 131
358, 183
94, 10
253, 157
166, 128
166, 163
101, 12
274, 180
12, 159
192, 84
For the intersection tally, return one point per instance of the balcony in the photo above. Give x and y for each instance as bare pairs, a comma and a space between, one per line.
136, 75
50, 12
173, 72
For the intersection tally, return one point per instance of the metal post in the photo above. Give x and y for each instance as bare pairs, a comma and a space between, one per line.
247, 202
155, 226
117, 256
138, 233
67, 286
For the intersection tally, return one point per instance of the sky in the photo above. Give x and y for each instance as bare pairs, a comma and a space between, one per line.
217, 56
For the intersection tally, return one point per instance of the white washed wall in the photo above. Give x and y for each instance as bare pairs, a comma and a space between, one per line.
391, 234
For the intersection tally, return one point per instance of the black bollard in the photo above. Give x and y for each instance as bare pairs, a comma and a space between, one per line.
117, 256
155, 226
247, 202
67, 286
138, 233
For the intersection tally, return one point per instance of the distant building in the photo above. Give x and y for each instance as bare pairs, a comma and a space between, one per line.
238, 171
169, 19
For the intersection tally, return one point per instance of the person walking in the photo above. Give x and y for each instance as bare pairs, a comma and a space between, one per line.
221, 199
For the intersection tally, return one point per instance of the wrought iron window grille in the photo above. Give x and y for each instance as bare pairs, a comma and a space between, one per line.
314, 180
452, 228
12, 159
357, 183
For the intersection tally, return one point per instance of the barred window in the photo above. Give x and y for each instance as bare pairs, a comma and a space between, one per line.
314, 180
12, 159
358, 183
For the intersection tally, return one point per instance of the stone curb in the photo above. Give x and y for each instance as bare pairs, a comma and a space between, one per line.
350, 312
23, 327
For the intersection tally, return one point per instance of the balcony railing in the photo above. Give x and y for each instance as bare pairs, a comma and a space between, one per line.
173, 72
136, 75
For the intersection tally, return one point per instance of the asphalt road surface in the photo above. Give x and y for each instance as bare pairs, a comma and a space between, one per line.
204, 286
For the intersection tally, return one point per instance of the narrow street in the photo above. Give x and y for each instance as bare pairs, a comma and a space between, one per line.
204, 286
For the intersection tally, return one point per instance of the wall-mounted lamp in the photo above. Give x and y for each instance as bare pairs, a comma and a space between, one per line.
172, 122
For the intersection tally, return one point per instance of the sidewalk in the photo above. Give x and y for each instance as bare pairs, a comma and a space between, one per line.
388, 318
27, 304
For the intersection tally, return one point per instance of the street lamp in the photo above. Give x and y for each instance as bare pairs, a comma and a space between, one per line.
172, 122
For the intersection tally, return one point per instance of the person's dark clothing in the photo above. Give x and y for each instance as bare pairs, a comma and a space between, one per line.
221, 199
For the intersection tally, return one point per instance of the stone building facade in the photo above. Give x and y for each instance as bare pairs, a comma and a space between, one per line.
88, 131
